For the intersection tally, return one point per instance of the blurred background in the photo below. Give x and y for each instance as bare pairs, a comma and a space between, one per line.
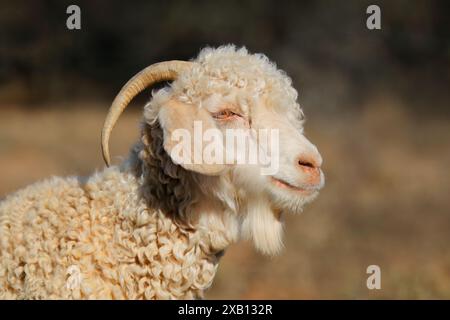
377, 104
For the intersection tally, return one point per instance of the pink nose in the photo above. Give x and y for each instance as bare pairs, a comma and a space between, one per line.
310, 164
310, 161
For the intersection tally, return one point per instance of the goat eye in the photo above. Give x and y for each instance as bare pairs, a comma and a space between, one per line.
224, 114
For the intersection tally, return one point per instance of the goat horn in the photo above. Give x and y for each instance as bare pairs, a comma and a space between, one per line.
163, 71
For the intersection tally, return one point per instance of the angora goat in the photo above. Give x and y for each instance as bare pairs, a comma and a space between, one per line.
155, 227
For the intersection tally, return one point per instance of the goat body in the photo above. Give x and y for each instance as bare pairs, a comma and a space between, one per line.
118, 246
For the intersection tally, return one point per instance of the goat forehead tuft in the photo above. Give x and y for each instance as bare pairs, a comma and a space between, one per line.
229, 61
224, 69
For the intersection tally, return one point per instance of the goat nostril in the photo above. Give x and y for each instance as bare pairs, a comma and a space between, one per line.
307, 164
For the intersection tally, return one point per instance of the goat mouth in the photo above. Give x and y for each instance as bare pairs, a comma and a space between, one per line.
286, 185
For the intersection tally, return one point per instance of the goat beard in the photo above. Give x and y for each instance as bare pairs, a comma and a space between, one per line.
263, 226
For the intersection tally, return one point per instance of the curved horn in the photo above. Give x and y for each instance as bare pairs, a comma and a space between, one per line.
157, 72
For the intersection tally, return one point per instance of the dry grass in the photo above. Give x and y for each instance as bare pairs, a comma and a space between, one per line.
385, 201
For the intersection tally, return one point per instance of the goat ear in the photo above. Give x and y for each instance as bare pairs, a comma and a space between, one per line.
181, 124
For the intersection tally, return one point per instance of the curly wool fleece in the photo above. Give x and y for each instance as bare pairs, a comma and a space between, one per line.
121, 248
111, 235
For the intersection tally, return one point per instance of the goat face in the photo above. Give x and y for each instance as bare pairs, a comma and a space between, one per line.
260, 145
